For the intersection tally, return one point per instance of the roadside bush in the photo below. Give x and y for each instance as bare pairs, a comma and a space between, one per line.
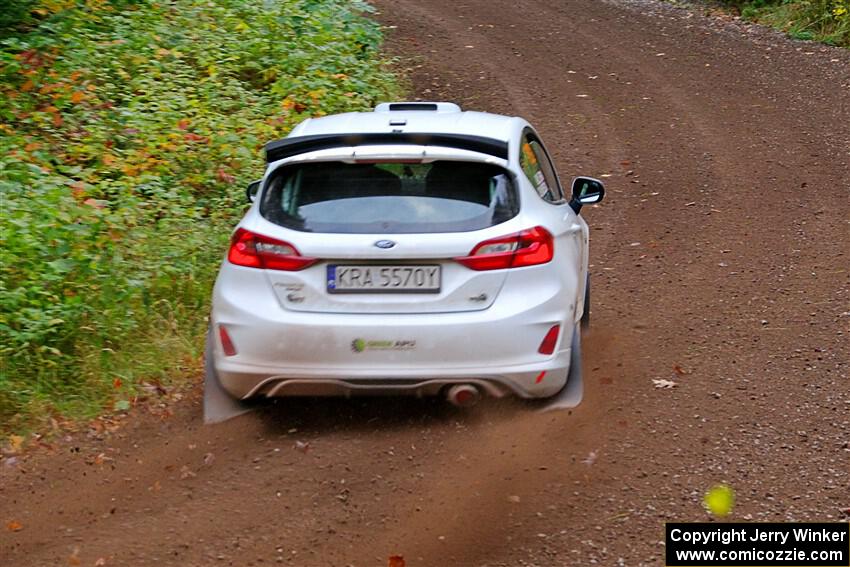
822, 20
127, 131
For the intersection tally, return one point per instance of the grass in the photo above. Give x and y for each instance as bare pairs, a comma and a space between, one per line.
826, 21
128, 130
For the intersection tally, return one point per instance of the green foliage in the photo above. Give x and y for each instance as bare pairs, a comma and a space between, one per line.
128, 129
822, 20
15, 14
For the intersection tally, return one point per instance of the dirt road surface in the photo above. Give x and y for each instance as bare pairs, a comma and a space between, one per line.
720, 261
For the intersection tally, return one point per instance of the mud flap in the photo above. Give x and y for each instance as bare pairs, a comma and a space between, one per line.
218, 404
571, 394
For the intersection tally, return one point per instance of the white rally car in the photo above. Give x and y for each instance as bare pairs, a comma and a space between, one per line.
416, 249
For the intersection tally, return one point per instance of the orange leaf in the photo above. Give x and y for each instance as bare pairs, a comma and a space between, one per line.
78, 97
183, 123
28, 86
78, 189
116, 383
31, 147
679, 370
395, 561
224, 176
14, 526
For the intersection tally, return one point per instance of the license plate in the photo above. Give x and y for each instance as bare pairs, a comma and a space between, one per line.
383, 279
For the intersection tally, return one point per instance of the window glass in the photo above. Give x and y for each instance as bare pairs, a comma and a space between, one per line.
538, 169
387, 198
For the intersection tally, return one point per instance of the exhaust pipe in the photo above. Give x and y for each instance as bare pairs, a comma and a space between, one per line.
463, 395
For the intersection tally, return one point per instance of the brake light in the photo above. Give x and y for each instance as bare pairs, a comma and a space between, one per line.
257, 251
527, 248
547, 346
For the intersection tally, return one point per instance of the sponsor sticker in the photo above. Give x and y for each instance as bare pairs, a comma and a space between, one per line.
362, 345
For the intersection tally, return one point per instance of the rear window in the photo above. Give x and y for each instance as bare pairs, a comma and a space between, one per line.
387, 198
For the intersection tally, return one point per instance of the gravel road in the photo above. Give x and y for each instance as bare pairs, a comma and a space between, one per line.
720, 261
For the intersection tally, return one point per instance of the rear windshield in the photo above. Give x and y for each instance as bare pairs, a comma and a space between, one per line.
443, 196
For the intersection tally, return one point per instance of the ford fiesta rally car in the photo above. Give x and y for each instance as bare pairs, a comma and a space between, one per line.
416, 249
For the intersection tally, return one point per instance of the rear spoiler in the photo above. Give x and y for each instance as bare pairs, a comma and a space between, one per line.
289, 147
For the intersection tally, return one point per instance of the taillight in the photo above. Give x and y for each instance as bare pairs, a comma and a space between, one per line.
547, 346
527, 248
257, 251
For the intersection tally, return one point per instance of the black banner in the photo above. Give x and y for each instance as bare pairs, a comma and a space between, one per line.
758, 545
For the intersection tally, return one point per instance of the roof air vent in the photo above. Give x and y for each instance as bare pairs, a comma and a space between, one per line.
417, 107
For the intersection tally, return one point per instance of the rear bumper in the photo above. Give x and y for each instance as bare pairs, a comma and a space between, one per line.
285, 353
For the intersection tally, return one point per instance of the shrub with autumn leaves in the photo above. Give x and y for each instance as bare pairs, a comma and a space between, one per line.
127, 131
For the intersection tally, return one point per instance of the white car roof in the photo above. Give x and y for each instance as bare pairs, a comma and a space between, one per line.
444, 118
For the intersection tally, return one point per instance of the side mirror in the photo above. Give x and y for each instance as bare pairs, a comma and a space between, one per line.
252, 190
586, 191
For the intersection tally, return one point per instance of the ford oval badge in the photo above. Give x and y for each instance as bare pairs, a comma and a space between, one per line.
385, 244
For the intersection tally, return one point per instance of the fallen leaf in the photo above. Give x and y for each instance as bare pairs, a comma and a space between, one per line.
74, 558
14, 526
679, 370
302, 446
662, 383
591, 458
719, 500
101, 561
15, 443
208, 459
395, 561
186, 473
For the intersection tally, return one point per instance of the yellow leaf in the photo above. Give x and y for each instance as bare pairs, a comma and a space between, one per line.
15, 443
719, 500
